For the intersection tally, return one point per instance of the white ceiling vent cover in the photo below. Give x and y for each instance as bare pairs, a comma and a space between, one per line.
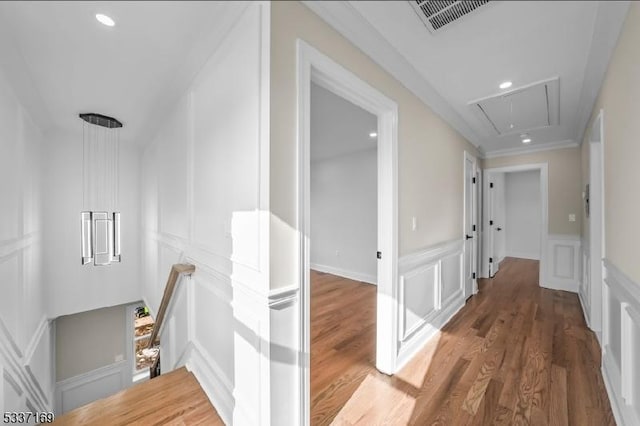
438, 14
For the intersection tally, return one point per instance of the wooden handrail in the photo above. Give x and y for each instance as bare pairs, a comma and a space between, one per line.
176, 271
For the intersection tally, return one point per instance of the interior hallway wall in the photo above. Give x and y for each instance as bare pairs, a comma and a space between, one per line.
26, 367
522, 214
565, 193
344, 219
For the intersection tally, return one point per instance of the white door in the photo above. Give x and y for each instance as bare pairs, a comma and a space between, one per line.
492, 228
470, 248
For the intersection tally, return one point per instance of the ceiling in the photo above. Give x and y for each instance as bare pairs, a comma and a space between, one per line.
62, 61
338, 127
523, 42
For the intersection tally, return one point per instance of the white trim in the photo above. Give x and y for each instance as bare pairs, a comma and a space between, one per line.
529, 149
596, 220
544, 211
211, 379
431, 261
90, 379
476, 222
314, 66
523, 255
618, 374
352, 275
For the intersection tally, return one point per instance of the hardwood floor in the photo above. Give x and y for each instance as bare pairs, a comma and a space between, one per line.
516, 354
175, 398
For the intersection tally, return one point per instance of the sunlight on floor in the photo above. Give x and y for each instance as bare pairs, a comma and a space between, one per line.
369, 404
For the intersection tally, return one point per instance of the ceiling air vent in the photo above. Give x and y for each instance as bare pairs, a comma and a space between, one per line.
438, 14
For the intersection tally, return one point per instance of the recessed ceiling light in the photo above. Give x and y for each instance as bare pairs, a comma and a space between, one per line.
505, 84
373, 134
526, 140
105, 20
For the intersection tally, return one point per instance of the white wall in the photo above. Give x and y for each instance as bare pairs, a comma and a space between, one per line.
203, 197
344, 208
523, 225
71, 286
26, 381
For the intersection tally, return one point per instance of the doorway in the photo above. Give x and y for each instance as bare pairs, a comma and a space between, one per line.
515, 216
315, 67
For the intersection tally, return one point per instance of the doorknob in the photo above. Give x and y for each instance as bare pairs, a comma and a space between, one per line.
468, 237
499, 229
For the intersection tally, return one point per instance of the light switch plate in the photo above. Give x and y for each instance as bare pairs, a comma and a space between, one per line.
572, 218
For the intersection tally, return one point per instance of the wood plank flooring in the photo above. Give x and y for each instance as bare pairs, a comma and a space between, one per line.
175, 398
516, 354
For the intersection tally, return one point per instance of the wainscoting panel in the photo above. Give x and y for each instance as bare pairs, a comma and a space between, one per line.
430, 292
621, 349
563, 263
88, 387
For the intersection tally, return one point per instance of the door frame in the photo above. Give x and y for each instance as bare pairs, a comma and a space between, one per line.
474, 214
596, 221
544, 212
312, 65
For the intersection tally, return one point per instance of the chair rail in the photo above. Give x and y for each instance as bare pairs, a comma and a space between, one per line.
176, 271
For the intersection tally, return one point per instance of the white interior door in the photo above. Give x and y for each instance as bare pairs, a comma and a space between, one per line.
470, 243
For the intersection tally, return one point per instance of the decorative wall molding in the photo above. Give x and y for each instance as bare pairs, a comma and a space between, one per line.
531, 149
356, 276
26, 370
563, 265
434, 275
621, 344
84, 388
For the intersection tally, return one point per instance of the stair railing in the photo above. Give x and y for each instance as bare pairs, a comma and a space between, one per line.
177, 270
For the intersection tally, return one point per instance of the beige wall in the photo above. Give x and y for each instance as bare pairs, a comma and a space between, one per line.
565, 193
430, 152
89, 340
620, 99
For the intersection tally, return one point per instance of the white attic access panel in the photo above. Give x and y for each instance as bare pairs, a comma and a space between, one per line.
535, 106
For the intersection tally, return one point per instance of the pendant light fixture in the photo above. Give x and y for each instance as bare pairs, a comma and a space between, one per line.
100, 216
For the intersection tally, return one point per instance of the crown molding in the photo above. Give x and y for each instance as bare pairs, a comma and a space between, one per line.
531, 149
345, 19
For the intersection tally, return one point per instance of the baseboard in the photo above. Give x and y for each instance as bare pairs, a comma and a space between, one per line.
356, 276
559, 285
85, 388
524, 255
218, 389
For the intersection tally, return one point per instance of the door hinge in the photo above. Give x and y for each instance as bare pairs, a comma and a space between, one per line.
490, 223
474, 275
474, 228
379, 255
474, 180
491, 260
491, 185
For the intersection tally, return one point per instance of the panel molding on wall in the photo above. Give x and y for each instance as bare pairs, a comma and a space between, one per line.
30, 373
620, 368
584, 291
84, 388
424, 277
563, 265
202, 206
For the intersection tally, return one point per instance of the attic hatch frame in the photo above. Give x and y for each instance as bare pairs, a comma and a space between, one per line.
100, 218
